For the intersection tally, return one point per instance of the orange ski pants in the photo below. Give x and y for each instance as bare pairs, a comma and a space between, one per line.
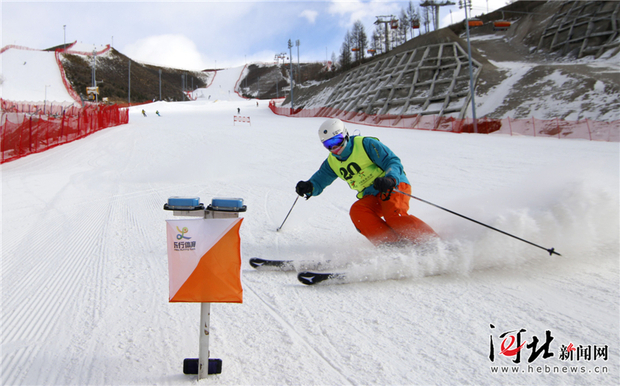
388, 221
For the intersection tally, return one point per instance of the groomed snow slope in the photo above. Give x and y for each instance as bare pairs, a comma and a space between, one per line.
221, 86
84, 265
31, 76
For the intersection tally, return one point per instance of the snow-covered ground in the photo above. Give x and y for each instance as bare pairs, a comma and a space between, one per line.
221, 86
84, 265
548, 86
31, 76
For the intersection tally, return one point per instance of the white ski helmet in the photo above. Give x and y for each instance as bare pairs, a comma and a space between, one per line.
333, 134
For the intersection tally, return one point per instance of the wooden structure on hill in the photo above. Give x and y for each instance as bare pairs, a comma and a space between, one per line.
589, 28
429, 80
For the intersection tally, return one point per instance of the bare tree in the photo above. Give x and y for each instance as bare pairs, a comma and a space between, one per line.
378, 39
403, 26
345, 52
426, 19
359, 40
412, 14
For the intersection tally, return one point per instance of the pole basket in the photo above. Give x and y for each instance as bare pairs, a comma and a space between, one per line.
190, 366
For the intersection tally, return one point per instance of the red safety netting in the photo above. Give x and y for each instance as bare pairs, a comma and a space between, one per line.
45, 108
28, 129
63, 76
558, 128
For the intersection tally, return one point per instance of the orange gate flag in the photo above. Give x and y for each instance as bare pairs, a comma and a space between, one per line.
204, 260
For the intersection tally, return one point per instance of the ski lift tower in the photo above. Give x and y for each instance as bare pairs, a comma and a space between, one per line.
290, 48
281, 56
467, 4
386, 20
436, 5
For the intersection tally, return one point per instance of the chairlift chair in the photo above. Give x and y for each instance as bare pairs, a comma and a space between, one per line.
475, 22
501, 25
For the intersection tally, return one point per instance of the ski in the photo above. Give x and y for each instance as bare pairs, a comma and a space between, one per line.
312, 278
289, 265
266, 264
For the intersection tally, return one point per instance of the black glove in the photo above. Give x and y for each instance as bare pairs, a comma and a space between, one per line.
304, 188
384, 184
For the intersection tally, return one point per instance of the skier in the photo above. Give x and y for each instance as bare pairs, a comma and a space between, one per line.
372, 169
143, 112
157, 112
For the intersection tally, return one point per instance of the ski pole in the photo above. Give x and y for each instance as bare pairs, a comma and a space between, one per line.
550, 250
289, 212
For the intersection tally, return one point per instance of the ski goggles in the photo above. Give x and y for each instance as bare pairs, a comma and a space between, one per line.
334, 141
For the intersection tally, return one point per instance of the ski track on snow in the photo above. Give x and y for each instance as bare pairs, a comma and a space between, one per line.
304, 339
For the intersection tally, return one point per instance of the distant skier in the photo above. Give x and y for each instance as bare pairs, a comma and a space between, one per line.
372, 169
143, 112
157, 112
238, 110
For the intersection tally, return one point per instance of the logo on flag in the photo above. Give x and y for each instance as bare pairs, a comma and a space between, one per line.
184, 245
182, 233
204, 264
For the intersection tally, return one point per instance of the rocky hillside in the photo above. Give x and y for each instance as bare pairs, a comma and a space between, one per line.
268, 81
113, 72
